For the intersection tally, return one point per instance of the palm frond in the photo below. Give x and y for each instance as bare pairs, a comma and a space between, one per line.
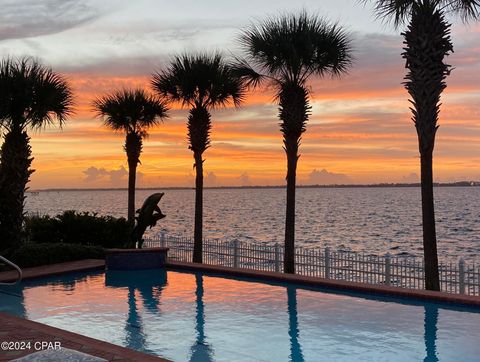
291, 47
400, 11
467, 9
203, 79
130, 111
32, 94
250, 77
397, 11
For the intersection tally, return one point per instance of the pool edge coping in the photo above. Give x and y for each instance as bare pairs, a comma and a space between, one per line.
54, 269
339, 285
84, 341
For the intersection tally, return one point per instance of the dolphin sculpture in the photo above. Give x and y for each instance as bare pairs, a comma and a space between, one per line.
148, 215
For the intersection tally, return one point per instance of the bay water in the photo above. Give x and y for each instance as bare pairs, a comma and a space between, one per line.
374, 220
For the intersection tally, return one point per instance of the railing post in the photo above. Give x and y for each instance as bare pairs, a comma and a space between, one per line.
235, 253
327, 262
162, 239
388, 268
277, 258
461, 276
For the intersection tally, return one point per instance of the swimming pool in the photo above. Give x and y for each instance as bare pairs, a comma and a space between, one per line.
202, 317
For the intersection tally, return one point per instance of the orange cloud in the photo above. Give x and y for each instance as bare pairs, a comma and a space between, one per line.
359, 125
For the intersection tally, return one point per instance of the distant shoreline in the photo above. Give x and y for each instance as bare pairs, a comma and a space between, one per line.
340, 186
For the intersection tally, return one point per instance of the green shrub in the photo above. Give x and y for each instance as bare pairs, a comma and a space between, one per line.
78, 228
42, 229
30, 255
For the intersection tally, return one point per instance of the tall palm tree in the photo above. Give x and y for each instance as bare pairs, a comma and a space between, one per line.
287, 51
32, 96
201, 82
132, 112
427, 43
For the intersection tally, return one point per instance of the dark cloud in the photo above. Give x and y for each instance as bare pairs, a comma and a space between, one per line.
244, 179
211, 179
411, 178
324, 177
30, 18
120, 66
93, 174
378, 66
116, 177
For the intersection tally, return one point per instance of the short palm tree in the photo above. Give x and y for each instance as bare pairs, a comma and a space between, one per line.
32, 96
132, 112
427, 43
287, 51
201, 82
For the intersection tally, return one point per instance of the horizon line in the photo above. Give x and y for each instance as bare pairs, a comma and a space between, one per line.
374, 185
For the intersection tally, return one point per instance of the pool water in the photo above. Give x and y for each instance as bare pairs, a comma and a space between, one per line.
201, 317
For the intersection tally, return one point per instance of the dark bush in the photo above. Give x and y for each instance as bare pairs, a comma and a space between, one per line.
30, 255
42, 229
78, 228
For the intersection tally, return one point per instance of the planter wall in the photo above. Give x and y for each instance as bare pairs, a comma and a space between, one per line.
136, 259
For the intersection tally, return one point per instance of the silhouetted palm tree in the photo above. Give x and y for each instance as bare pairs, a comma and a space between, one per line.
427, 43
132, 112
201, 82
31, 96
287, 51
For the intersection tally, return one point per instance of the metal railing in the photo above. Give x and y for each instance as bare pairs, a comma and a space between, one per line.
401, 271
16, 267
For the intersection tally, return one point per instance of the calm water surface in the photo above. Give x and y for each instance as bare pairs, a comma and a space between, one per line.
372, 220
202, 318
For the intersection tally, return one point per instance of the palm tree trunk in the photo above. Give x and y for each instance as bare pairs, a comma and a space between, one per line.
132, 176
198, 228
133, 148
289, 258
294, 110
15, 162
199, 125
428, 221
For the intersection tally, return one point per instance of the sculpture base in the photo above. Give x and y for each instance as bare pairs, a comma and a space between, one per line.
135, 259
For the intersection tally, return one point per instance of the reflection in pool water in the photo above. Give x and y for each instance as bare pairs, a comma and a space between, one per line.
293, 332
430, 336
199, 317
200, 350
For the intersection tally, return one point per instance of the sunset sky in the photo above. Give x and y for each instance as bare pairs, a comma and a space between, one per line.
360, 129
